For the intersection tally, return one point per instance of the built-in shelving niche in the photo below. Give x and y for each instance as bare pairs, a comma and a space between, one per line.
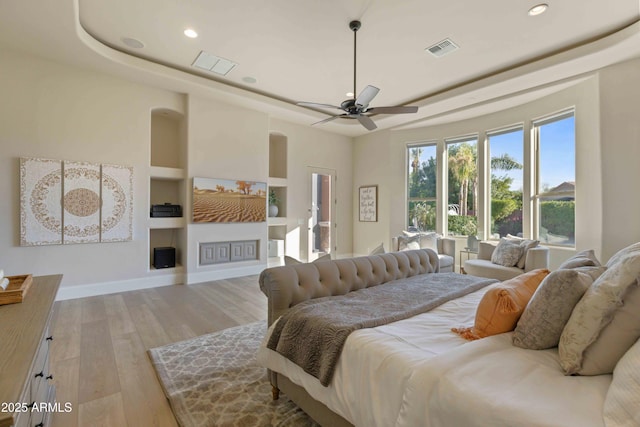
167, 182
278, 183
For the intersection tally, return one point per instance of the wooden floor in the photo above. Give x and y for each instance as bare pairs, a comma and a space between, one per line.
99, 359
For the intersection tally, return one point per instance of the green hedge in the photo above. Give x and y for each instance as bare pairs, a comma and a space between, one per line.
463, 225
558, 217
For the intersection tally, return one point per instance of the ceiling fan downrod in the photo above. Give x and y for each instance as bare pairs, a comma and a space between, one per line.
355, 26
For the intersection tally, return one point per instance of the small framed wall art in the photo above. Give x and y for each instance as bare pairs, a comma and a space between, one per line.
368, 203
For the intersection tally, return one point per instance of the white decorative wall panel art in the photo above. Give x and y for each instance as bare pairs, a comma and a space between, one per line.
74, 202
117, 200
81, 203
40, 205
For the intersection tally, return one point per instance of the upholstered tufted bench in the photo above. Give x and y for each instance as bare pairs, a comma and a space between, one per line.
287, 286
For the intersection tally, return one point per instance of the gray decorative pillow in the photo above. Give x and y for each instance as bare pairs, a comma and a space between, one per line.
546, 315
406, 243
526, 245
594, 272
507, 253
378, 250
581, 259
597, 308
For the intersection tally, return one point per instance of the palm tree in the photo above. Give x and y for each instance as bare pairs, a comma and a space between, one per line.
505, 162
415, 162
463, 166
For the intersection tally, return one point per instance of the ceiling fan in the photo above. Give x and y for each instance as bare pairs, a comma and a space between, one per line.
358, 108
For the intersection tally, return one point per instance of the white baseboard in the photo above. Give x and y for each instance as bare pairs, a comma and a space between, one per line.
220, 274
154, 281
105, 288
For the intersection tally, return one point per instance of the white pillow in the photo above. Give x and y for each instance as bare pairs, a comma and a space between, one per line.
621, 407
378, 250
418, 240
407, 243
429, 240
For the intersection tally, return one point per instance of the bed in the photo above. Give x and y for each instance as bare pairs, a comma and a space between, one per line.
415, 371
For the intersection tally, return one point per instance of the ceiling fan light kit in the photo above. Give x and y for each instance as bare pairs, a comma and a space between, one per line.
357, 108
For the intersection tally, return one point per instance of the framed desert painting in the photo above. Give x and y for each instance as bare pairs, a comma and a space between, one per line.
227, 200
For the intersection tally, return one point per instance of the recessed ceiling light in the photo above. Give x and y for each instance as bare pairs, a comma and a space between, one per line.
538, 9
349, 94
136, 44
191, 33
249, 79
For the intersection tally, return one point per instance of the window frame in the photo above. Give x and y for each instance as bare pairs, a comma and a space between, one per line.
408, 198
470, 137
488, 135
536, 194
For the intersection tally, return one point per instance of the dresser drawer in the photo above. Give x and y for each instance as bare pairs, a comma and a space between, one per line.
40, 376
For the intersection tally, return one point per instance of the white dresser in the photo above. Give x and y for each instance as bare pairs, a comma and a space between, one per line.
27, 394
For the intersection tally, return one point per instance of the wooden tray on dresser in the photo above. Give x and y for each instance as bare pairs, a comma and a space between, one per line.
16, 289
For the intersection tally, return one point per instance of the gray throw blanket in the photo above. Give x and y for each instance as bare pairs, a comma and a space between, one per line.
312, 334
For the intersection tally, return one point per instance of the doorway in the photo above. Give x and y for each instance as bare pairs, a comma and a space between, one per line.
322, 226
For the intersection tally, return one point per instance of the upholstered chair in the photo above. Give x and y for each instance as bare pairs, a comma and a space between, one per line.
536, 257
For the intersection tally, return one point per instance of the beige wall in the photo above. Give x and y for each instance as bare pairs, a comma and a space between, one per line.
388, 152
230, 143
620, 141
54, 111
61, 112
312, 147
375, 162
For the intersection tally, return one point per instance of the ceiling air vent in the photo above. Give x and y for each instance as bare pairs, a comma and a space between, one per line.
442, 48
213, 63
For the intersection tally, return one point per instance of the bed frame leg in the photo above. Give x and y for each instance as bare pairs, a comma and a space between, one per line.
275, 392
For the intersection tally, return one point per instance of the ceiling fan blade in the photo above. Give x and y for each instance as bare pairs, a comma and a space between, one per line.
328, 119
317, 105
393, 110
365, 97
366, 122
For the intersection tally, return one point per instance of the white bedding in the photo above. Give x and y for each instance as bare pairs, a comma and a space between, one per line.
416, 372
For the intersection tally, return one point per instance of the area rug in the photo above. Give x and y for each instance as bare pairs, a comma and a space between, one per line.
214, 380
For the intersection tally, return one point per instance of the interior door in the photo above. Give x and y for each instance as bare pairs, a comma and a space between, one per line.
322, 213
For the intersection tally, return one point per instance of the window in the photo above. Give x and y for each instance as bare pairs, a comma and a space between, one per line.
491, 187
554, 140
421, 183
506, 148
462, 186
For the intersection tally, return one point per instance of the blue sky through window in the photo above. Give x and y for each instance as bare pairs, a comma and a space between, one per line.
510, 143
557, 153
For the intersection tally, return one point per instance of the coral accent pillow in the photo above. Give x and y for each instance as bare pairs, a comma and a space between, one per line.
502, 305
